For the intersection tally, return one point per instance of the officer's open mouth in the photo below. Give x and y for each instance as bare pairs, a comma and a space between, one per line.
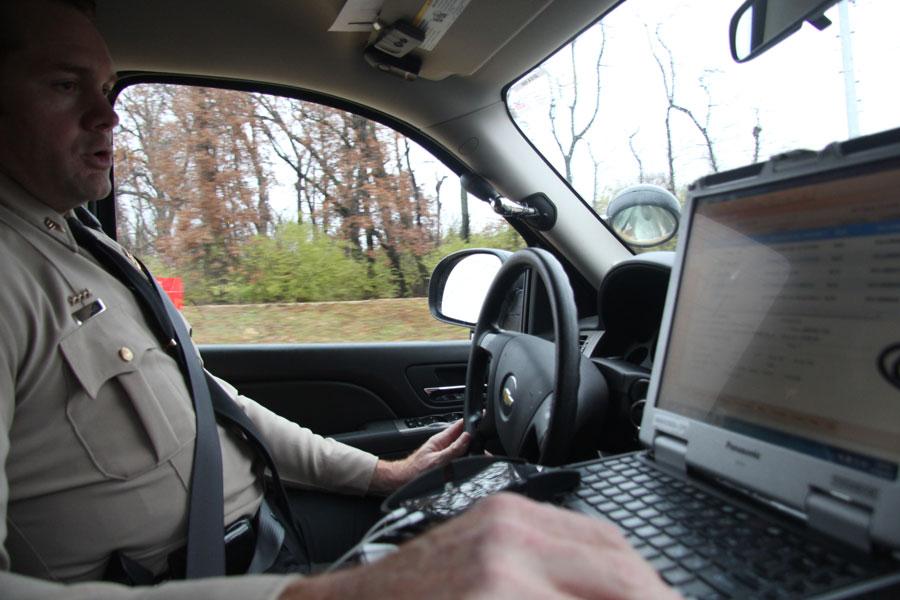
101, 159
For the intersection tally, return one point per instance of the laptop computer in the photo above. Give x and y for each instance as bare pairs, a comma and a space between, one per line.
772, 422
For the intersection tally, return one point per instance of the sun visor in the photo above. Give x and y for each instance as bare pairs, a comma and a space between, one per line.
460, 36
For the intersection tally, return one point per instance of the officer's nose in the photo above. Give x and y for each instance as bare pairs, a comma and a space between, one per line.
100, 116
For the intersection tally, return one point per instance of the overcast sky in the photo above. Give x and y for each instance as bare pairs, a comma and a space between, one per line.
797, 88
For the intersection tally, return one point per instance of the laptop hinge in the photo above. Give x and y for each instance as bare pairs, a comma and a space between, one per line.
670, 451
840, 518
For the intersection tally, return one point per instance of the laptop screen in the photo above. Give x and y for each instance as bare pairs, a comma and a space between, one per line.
787, 320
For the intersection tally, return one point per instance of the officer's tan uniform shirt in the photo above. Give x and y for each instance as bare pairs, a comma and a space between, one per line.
97, 427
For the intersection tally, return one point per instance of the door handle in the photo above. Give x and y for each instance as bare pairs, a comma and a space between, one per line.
433, 392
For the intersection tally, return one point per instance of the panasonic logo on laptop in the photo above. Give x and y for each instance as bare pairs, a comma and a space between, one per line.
743, 451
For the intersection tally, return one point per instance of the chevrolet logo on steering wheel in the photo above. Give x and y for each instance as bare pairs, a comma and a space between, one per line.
509, 391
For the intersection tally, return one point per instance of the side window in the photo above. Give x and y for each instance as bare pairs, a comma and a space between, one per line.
276, 220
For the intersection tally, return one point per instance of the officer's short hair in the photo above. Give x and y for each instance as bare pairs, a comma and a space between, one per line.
11, 36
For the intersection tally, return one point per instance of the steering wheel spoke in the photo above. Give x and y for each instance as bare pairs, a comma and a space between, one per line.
493, 341
540, 422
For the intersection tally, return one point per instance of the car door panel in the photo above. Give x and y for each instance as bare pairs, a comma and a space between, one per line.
358, 393
326, 407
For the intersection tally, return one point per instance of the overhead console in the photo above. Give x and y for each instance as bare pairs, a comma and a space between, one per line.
434, 39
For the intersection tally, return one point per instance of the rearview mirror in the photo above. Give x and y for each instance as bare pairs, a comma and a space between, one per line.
460, 283
644, 215
760, 24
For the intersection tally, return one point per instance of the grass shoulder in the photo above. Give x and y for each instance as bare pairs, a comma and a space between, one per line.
387, 320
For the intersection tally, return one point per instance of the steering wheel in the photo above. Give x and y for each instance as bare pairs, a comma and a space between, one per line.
532, 401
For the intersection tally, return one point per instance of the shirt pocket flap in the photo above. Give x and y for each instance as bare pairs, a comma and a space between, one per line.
96, 353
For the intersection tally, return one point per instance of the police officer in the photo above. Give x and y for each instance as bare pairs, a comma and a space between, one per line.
96, 422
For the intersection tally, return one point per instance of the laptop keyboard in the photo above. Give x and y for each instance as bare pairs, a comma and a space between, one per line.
704, 546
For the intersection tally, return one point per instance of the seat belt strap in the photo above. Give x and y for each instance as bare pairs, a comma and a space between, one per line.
229, 412
206, 511
213, 399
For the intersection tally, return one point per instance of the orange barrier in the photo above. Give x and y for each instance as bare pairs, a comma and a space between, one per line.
174, 288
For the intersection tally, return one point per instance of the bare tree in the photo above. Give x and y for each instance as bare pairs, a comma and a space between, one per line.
191, 180
420, 203
438, 184
666, 63
567, 133
147, 176
757, 137
282, 123
464, 213
668, 81
637, 156
703, 127
595, 185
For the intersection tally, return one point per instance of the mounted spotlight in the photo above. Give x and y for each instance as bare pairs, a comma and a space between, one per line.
644, 215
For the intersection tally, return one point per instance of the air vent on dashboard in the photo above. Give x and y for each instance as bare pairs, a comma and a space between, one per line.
587, 341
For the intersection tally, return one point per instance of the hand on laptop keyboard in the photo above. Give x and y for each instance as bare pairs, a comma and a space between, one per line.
507, 546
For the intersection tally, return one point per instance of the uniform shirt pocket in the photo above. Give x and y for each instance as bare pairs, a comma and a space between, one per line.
124, 405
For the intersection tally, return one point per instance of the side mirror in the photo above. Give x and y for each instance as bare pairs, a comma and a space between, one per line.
644, 215
760, 24
460, 283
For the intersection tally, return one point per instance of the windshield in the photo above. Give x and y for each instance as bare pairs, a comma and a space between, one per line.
650, 94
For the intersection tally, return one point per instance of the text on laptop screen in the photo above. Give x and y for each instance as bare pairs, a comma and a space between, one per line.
787, 321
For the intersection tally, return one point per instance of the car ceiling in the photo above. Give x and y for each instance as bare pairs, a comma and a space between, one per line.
287, 42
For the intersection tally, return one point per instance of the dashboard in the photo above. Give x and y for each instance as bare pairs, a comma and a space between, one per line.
618, 329
630, 305
622, 340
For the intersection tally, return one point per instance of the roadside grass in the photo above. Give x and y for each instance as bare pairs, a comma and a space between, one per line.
403, 319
